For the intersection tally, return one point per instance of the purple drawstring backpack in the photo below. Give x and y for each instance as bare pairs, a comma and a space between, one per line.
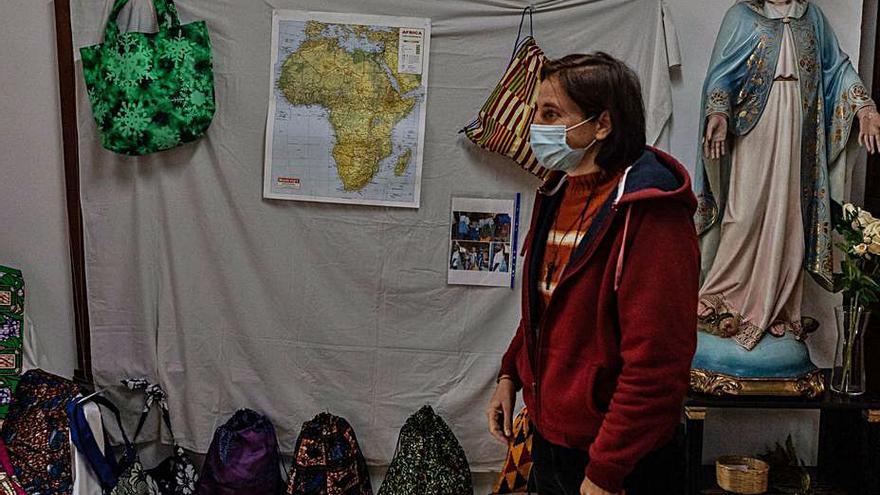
243, 458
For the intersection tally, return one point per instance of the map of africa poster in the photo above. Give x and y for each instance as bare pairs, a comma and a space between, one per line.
346, 120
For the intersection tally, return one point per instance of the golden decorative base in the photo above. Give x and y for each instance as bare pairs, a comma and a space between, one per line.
709, 382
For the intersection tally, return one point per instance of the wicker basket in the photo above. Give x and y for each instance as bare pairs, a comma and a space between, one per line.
739, 474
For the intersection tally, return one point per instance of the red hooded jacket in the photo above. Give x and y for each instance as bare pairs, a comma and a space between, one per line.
605, 367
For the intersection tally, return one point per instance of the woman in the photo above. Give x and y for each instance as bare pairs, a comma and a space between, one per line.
604, 347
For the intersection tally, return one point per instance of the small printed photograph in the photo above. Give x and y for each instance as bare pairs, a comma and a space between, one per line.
500, 257
483, 227
470, 256
482, 241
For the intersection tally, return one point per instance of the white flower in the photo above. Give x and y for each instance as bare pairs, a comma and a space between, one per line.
865, 218
860, 249
872, 230
850, 209
186, 479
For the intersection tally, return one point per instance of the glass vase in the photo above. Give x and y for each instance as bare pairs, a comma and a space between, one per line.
848, 373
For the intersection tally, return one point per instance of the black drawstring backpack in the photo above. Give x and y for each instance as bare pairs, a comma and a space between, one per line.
428, 461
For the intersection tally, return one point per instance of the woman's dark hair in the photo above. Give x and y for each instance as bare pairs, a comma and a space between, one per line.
598, 82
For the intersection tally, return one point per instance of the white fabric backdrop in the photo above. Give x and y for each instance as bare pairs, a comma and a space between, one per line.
293, 308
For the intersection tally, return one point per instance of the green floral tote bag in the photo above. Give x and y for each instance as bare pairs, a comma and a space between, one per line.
150, 91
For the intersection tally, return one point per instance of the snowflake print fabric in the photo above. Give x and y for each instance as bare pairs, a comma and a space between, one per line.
151, 91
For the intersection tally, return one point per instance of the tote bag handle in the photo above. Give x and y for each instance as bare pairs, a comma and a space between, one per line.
166, 17
104, 465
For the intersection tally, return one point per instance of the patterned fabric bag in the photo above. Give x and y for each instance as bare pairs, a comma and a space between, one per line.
135, 481
243, 458
428, 461
8, 483
104, 464
8, 486
36, 433
11, 325
328, 460
515, 476
502, 125
150, 91
176, 475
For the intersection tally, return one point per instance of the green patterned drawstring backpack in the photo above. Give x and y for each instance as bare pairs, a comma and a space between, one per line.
150, 91
428, 461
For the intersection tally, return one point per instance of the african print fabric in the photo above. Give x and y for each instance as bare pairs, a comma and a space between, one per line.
517, 469
429, 460
11, 328
328, 460
37, 433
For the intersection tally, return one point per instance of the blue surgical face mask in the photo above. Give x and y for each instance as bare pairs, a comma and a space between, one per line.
553, 152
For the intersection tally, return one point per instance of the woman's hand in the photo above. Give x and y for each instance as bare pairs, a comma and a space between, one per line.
716, 135
500, 410
869, 129
589, 488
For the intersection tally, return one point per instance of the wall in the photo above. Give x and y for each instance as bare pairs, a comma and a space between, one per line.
33, 222
32, 214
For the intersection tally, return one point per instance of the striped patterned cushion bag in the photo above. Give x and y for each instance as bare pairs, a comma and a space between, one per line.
502, 125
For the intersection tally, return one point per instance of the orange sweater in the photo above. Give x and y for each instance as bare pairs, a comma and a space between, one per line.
573, 220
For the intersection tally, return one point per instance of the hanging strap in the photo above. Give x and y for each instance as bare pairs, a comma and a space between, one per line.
153, 394
528, 10
516, 45
103, 464
166, 17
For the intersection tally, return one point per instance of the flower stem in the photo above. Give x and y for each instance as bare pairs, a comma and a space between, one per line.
850, 324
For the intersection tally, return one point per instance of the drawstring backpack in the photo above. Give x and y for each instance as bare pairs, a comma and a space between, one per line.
502, 124
516, 473
36, 433
328, 460
428, 460
243, 458
176, 475
150, 91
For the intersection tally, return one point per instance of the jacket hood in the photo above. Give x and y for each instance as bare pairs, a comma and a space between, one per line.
655, 175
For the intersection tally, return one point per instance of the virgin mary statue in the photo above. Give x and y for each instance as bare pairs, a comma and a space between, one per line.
783, 96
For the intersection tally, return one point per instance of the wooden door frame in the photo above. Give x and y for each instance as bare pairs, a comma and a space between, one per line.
67, 88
